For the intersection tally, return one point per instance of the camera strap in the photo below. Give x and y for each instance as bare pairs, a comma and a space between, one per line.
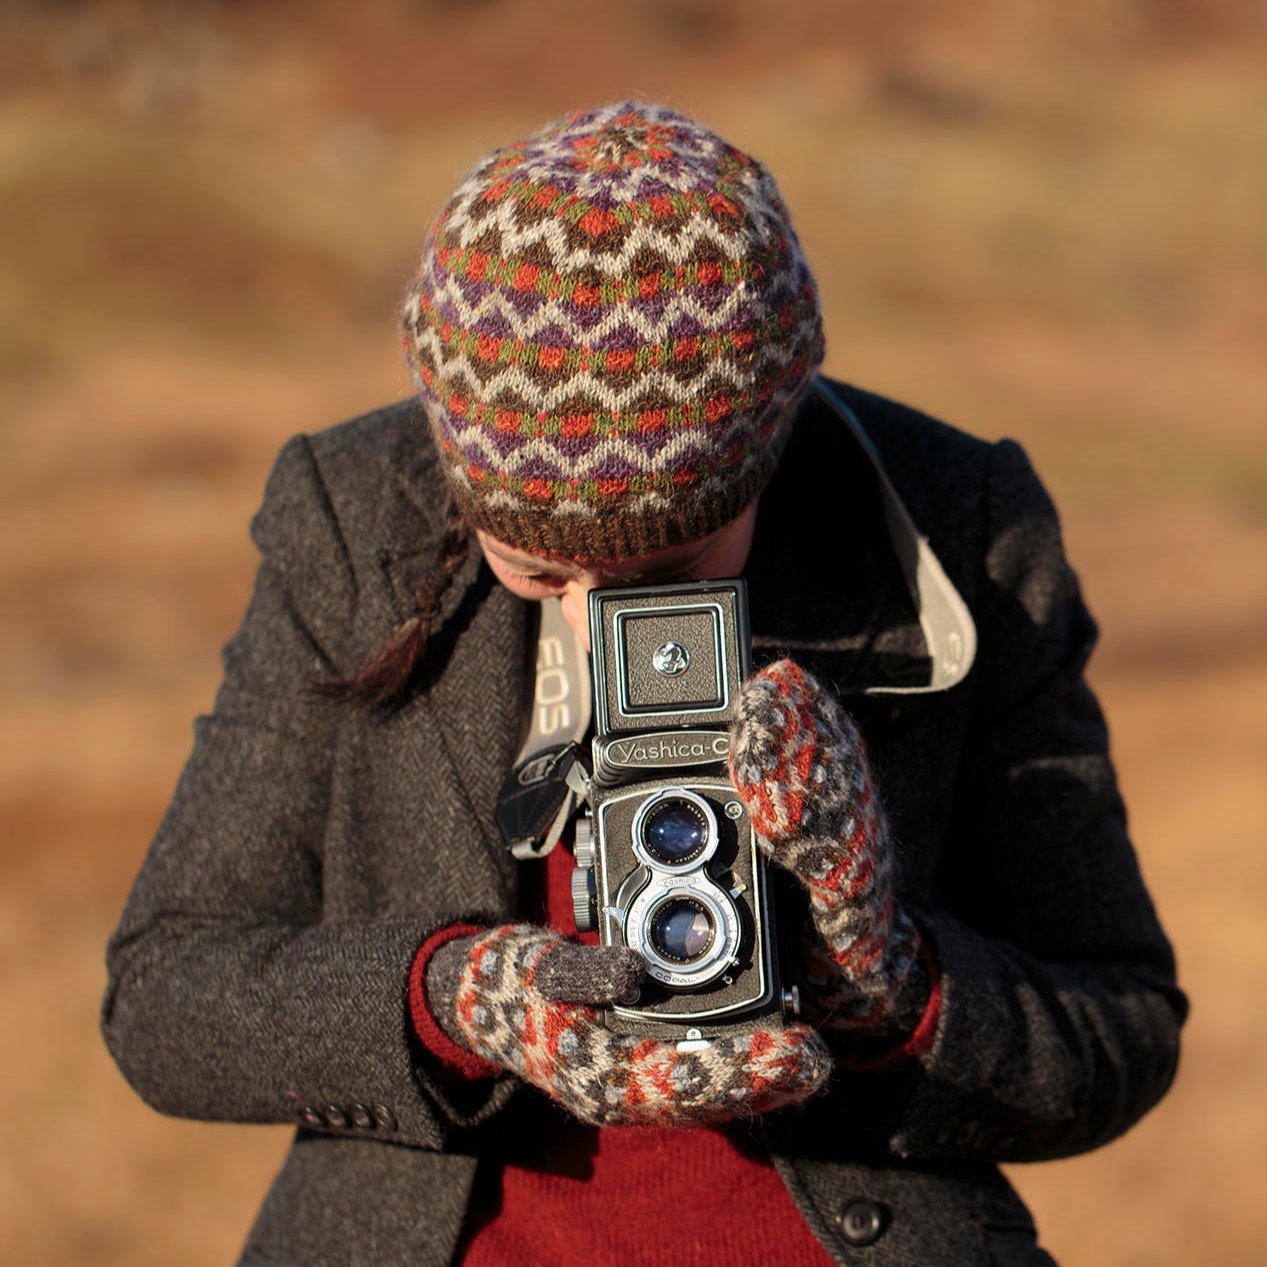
949, 631
550, 778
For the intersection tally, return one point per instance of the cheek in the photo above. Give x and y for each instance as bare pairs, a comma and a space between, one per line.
735, 544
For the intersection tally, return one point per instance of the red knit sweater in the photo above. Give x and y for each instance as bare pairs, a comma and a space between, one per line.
557, 1191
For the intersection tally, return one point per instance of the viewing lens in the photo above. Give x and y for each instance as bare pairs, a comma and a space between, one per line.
681, 930
675, 832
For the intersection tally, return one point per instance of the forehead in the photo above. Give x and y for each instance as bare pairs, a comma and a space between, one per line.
655, 560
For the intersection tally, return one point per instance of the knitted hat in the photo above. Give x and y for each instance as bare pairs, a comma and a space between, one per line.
611, 329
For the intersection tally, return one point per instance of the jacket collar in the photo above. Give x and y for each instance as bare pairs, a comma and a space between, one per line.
840, 570
950, 634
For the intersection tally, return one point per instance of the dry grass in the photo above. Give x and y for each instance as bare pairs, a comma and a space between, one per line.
1044, 222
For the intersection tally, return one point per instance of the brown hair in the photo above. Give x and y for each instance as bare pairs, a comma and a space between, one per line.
384, 677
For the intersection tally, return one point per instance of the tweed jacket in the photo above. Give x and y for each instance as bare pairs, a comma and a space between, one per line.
259, 970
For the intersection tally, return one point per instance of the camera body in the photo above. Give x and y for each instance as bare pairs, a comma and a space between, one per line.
667, 861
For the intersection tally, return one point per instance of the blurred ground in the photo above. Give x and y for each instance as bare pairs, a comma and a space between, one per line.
1035, 220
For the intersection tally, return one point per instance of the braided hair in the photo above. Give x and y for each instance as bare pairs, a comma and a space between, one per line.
385, 676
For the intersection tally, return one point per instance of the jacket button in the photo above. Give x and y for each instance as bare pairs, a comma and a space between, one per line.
384, 1117
336, 1117
862, 1222
362, 1117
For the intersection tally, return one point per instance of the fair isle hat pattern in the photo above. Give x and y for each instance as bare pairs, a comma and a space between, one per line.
611, 328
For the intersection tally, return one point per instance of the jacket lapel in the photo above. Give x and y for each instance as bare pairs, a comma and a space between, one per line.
467, 711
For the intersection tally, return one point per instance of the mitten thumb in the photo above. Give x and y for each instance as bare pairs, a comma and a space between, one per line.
596, 975
565, 972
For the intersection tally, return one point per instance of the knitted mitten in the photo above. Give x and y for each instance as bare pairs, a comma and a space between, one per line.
524, 999
798, 761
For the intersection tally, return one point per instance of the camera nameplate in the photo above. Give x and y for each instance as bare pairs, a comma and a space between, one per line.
659, 750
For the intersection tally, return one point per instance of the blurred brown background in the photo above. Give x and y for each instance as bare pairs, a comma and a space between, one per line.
1046, 221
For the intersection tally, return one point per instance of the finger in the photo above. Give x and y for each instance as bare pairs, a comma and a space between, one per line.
774, 748
769, 1069
595, 975
757, 729
654, 1083
786, 1067
816, 861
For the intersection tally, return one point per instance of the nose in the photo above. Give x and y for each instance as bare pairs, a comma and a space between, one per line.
574, 600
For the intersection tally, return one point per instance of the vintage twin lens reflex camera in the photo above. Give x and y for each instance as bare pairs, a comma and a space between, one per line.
667, 861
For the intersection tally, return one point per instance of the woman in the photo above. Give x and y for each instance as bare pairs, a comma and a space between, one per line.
615, 338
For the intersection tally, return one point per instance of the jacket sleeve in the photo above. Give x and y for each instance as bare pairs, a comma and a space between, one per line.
1060, 1014
229, 997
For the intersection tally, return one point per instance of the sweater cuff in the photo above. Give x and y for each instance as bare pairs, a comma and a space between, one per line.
453, 1057
922, 1035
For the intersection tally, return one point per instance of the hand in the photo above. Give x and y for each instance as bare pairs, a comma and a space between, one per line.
799, 764
525, 999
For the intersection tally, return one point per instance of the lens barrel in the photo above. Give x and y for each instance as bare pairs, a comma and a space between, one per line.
675, 832
681, 930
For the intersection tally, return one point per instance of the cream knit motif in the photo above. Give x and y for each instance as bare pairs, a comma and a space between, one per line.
610, 329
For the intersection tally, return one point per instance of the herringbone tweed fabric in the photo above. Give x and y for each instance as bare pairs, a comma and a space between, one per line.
799, 762
610, 329
500, 1012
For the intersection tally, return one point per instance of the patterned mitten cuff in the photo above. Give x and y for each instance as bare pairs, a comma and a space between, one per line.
434, 975
800, 765
505, 1007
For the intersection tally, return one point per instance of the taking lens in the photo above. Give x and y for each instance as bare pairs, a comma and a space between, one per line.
675, 832
681, 930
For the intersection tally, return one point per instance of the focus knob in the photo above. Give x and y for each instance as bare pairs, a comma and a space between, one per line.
583, 842
583, 900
